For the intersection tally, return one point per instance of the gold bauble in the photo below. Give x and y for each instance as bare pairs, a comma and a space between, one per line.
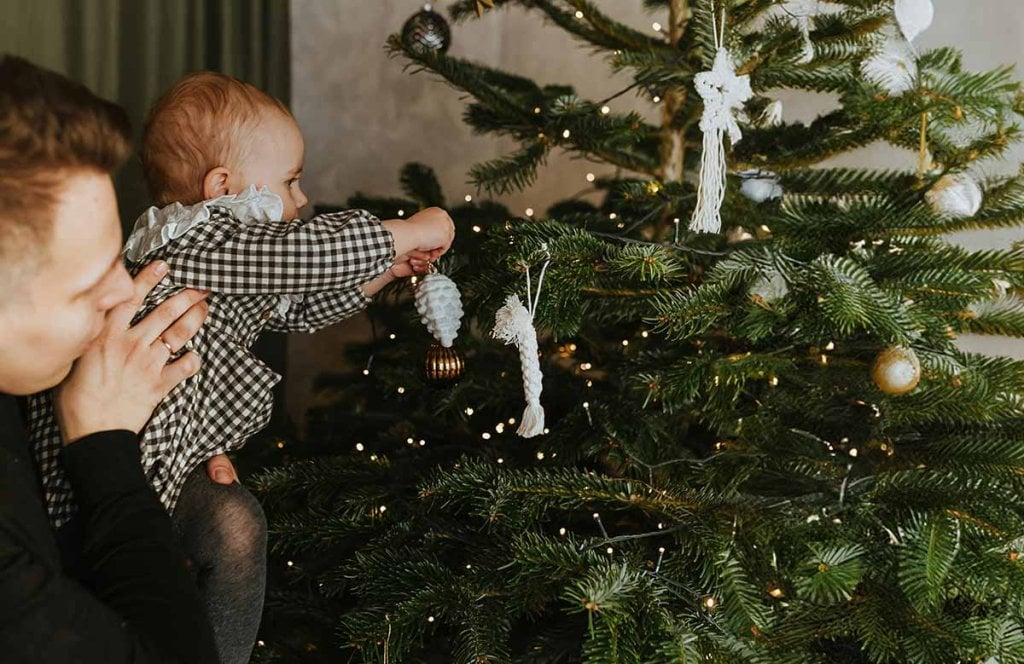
896, 371
443, 365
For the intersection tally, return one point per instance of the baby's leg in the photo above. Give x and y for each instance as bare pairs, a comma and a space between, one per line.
224, 533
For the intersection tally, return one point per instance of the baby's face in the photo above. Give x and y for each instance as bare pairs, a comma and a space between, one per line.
274, 161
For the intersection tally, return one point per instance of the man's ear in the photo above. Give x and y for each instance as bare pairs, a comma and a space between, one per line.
215, 183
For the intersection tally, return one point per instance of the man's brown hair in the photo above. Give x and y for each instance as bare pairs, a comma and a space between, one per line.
49, 125
205, 120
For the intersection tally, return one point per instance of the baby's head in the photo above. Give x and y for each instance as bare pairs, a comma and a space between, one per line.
212, 135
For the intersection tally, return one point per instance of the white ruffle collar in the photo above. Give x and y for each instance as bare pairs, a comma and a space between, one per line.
159, 226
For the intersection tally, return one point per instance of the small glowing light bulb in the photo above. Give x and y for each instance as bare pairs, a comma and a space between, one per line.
476, 229
591, 177
605, 110
469, 411
529, 212
579, 14
566, 133
468, 198
401, 390
392, 336
656, 26
486, 435
360, 447
540, 456
656, 99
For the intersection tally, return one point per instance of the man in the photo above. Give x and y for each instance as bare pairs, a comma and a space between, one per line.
65, 307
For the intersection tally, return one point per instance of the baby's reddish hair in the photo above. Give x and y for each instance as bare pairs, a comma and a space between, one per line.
206, 120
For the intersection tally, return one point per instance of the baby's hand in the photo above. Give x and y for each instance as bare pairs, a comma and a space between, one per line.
415, 262
430, 230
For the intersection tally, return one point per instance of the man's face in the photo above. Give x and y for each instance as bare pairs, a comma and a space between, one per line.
55, 308
274, 160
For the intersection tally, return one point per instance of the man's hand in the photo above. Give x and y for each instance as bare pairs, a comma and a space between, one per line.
124, 374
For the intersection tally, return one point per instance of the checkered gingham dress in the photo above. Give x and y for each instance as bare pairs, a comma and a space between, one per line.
263, 274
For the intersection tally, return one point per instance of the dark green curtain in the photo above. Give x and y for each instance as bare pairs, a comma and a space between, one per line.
130, 51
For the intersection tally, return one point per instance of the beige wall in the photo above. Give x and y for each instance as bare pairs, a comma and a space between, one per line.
363, 117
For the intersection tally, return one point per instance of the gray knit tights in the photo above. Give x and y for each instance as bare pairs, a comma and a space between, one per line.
224, 533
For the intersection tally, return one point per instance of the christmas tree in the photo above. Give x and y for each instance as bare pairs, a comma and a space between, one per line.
762, 441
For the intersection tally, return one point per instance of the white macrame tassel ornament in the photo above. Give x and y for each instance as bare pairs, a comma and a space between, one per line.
440, 306
513, 324
724, 94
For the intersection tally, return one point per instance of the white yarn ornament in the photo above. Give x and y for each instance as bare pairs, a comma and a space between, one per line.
760, 186
724, 93
955, 195
893, 66
513, 324
914, 17
440, 307
803, 11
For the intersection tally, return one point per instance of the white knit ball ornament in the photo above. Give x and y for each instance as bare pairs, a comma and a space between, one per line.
760, 186
440, 307
955, 195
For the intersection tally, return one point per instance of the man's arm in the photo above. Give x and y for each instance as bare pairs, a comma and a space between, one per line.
138, 604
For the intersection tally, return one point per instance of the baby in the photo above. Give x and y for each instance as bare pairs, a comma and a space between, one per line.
223, 161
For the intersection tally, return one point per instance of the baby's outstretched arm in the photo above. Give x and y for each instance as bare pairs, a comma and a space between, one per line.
429, 231
422, 238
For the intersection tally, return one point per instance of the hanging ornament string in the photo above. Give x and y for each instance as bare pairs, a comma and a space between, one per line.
513, 324
724, 93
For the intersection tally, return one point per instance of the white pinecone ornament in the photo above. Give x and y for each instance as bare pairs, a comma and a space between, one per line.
440, 307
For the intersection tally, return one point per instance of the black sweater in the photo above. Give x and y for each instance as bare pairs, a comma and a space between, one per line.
135, 601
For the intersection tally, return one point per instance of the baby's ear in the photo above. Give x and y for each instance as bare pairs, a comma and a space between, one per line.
215, 183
